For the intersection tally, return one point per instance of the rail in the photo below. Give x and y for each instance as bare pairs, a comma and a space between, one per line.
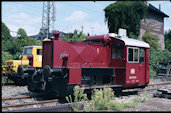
57, 106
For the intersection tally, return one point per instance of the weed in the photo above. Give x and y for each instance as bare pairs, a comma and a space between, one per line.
101, 99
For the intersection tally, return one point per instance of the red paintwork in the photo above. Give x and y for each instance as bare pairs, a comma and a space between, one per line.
47, 53
30, 57
91, 55
147, 71
56, 33
75, 76
80, 54
141, 75
100, 38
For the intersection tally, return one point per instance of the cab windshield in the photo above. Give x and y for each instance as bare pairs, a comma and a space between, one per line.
27, 51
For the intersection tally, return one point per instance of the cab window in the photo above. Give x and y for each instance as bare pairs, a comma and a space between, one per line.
141, 55
133, 55
117, 51
27, 51
39, 51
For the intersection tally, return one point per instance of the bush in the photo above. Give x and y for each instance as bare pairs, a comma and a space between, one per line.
167, 36
101, 99
157, 57
6, 56
78, 97
152, 40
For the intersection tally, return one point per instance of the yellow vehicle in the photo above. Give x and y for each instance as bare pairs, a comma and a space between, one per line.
17, 70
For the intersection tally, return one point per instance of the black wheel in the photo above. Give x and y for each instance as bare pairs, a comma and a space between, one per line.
46, 72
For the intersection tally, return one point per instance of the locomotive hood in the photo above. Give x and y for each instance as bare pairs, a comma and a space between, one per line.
122, 35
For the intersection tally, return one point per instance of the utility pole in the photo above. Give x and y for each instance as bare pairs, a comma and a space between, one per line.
82, 29
92, 29
48, 18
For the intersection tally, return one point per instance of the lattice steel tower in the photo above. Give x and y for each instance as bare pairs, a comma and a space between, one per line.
48, 18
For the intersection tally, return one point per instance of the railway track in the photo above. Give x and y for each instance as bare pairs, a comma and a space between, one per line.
8, 84
149, 88
162, 83
23, 104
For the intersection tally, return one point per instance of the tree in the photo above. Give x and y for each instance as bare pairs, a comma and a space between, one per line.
76, 36
5, 56
6, 37
21, 34
152, 40
5, 32
11, 49
168, 40
127, 15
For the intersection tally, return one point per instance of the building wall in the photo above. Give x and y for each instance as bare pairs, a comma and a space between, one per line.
155, 23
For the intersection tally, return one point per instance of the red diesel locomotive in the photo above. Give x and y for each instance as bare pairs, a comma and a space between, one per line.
110, 60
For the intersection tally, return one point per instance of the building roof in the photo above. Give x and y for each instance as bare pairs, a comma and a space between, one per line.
152, 8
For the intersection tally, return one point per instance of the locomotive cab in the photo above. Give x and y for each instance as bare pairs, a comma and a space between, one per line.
17, 70
129, 57
33, 54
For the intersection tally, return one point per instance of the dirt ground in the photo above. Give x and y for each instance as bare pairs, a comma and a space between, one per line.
153, 104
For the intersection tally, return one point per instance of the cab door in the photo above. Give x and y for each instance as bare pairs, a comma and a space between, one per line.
142, 66
135, 66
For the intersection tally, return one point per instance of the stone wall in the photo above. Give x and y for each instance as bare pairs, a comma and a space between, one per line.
155, 24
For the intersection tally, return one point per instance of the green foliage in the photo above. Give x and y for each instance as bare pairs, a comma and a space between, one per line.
5, 32
127, 15
11, 49
21, 34
101, 99
79, 96
157, 57
6, 56
168, 40
75, 36
152, 40
141, 99
113, 105
104, 99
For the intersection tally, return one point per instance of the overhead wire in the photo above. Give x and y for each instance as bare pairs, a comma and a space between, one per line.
87, 9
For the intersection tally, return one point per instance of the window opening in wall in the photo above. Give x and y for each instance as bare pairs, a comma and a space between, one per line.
39, 51
142, 55
27, 51
133, 55
118, 51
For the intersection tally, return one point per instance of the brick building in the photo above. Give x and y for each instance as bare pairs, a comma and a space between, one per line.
155, 23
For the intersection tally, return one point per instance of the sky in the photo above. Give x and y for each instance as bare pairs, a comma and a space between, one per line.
88, 16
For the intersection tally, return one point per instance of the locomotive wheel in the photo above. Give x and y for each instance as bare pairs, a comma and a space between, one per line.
46, 72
